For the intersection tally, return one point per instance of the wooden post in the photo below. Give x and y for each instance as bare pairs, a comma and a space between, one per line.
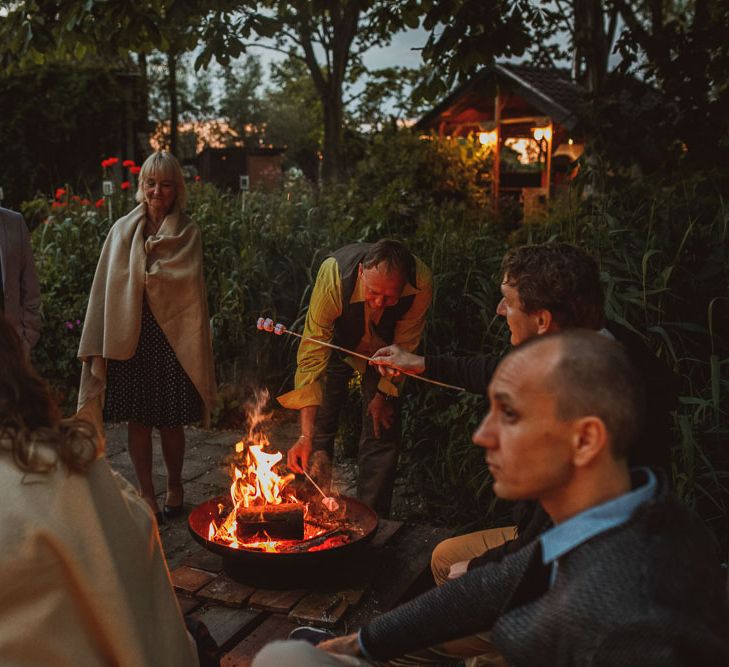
548, 185
496, 176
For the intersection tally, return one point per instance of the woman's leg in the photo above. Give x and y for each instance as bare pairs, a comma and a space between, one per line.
173, 450
140, 451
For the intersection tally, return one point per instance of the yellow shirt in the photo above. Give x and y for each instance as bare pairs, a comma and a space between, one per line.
324, 309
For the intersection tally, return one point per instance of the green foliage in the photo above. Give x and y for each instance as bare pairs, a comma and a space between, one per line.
66, 248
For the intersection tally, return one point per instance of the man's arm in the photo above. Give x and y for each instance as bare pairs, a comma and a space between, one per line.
473, 373
458, 608
325, 306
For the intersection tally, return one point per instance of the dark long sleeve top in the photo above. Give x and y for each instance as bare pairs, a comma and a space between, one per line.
649, 592
474, 373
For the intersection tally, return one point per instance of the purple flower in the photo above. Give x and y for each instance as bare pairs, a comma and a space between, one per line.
69, 325
78, 323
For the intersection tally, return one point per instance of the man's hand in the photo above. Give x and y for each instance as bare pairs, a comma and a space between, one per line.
392, 359
382, 412
347, 645
298, 456
458, 569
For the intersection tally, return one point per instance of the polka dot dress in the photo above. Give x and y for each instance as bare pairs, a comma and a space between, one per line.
151, 388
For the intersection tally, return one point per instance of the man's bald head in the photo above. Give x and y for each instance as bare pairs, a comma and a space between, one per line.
592, 375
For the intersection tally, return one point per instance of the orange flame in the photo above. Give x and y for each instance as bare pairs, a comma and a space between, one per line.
255, 481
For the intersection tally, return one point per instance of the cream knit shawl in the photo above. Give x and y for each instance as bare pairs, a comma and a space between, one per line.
167, 268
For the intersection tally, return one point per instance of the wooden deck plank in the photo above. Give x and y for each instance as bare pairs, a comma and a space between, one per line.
386, 528
225, 591
323, 609
227, 625
204, 560
189, 580
274, 627
276, 601
187, 604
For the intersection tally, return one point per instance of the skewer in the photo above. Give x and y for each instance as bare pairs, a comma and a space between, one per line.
268, 325
330, 503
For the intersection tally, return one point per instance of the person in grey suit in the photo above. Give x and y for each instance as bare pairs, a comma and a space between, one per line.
19, 291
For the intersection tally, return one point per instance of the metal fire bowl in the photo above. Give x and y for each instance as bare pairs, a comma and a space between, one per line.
283, 569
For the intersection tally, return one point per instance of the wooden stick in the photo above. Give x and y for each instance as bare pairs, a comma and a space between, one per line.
366, 358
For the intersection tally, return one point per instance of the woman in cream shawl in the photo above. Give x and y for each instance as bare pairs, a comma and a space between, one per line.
146, 346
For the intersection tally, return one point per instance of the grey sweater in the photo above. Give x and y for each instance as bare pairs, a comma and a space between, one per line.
648, 592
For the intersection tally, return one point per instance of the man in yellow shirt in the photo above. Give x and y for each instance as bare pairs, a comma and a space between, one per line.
365, 295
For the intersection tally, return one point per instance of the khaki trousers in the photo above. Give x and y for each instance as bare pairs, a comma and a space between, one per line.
477, 649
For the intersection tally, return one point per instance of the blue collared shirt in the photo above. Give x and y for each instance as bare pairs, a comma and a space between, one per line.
564, 537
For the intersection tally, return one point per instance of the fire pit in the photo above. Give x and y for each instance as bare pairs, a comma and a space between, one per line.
295, 561
269, 530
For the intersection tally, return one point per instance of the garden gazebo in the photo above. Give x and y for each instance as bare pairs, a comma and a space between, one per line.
529, 115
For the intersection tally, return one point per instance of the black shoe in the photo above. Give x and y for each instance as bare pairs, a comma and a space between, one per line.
311, 635
172, 511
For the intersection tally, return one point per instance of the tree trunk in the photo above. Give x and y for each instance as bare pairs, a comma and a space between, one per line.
344, 17
333, 159
142, 124
591, 47
172, 93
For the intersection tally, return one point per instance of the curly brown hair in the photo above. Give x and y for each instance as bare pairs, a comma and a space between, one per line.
560, 278
29, 417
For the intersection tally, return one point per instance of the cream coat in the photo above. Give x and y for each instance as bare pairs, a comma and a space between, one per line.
167, 268
83, 579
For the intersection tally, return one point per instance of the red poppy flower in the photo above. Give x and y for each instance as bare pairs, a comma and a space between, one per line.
58, 204
112, 161
60, 192
85, 202
134, 170
128, 163
197, 178
75, 198
99, 203
125, 185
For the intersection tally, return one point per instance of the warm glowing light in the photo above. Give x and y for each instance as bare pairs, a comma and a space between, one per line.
570, 141
542, 133
487, 138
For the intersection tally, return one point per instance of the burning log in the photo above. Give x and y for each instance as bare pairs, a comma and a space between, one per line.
317, 541
280, 522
